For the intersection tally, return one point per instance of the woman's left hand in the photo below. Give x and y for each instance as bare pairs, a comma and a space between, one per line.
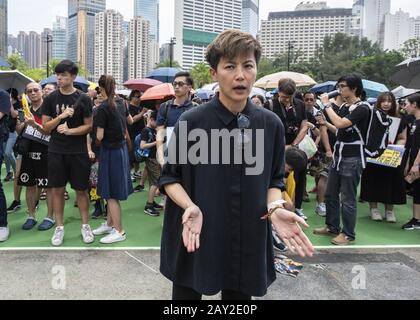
288, 226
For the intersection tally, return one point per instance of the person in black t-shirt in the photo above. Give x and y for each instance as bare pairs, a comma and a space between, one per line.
67, 116
148, 142
412, 170
114, 179
347, 168
292, 113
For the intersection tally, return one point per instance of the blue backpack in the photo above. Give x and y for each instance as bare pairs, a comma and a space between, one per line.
140, 154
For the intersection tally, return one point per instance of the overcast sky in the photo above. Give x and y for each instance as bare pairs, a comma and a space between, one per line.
28, 15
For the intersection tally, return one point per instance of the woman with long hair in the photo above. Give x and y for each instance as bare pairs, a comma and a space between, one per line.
383, 184
114, 179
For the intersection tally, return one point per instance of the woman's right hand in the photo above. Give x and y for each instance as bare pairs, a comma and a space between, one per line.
192, 221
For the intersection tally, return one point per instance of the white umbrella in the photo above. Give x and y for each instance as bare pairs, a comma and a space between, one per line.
402, 92
14, 79
272, 81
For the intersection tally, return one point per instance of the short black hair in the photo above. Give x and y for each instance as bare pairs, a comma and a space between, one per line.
259, 97
354, 81
13, 93
287, 86
187, 76
297, 159
67, 66
133, 93
414, 98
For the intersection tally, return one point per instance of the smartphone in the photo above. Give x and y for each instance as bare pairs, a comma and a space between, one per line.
21, 116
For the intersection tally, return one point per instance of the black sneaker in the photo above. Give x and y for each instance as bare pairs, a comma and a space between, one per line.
15, 206
413, 224
150, 211
9, 177
157, 206
138, 189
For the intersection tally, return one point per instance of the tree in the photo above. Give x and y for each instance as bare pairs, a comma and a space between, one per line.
167, 64
17, 63
201, 74
36, 74
378, 67
411, 48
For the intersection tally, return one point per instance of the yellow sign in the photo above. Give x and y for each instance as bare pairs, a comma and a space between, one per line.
392, 157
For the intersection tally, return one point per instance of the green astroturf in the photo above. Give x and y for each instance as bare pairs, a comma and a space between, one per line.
145, 231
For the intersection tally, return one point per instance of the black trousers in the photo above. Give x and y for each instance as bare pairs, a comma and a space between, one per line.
300, 179
180, 293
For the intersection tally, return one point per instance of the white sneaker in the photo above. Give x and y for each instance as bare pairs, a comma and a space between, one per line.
103, 229
87, 234
58, 237
113, 237
4, 234
300, 213
390, 217
321, 210
376, 215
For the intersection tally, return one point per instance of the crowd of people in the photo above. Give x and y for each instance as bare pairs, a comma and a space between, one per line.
96, 143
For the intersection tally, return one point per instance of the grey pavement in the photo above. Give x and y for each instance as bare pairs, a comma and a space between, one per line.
125, 275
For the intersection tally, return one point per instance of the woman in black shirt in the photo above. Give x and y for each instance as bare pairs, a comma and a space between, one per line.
114, 179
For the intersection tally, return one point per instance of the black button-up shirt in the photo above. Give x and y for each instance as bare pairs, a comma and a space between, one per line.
236, 250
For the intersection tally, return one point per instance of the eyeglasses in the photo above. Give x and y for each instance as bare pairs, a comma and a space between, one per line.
137, 97
32, 91
179, 83
309, 100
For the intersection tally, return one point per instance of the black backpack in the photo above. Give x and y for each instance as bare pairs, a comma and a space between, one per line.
377, 136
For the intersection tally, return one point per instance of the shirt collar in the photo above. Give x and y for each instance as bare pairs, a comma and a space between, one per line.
187, 104
224, 114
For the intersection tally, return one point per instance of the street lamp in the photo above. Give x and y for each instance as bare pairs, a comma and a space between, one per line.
48, 41
172, 43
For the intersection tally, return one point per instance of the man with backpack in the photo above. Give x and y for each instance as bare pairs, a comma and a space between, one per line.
352, 122
171, 111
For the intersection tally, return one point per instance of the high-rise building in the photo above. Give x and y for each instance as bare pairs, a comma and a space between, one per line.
34, 50
59, 37
126, 31
109, 45
3, 28
372, 18
12, 44
149, 9
399, 28
139, 48
304, 29
23, 45
250, 16
197, 25
81, 31
164, 52
46, 46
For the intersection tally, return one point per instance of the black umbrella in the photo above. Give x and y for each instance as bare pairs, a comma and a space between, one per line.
407, 73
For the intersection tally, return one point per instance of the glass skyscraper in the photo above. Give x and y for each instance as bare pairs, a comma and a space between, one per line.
149, 9
3, 28
81, 31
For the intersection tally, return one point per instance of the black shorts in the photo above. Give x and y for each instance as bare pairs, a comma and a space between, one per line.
34, 169
65, 168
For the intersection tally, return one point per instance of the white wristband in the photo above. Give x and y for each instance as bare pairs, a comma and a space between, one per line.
274, 204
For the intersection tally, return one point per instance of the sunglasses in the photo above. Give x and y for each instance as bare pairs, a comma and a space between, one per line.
309, 100
32, 91
179, 83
